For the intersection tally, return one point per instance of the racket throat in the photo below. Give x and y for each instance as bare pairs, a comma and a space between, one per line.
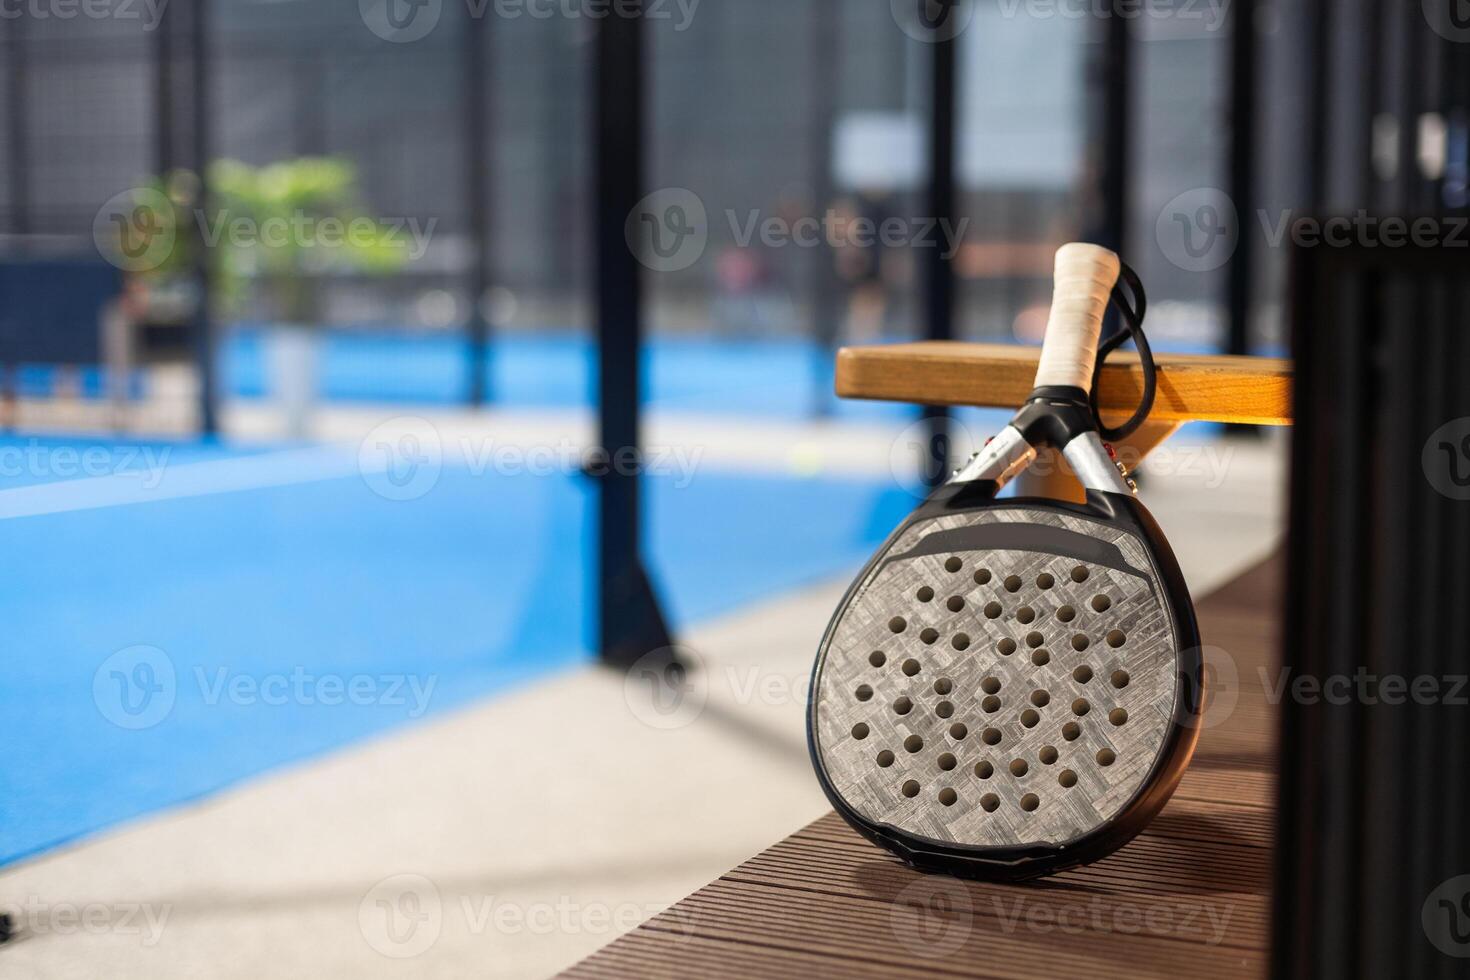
1094, 467
1000, 461
1009, 454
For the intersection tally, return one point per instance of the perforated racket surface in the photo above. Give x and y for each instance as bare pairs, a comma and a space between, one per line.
1010, 682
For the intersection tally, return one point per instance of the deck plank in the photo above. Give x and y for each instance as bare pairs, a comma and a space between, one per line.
1189, 897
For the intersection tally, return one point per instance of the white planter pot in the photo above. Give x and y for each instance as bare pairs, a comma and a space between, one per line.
292, 354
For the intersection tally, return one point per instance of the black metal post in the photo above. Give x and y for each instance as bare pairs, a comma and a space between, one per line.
937, 269
19, 157
1404, 103
200, 124
630, 623
1411, 179
1456, 192
1370, 57
1318, 66
1370, 846
824, 83
477, 165
1112, 132
1115, 135
1428, 82
18, 162
1243, 74
163, 93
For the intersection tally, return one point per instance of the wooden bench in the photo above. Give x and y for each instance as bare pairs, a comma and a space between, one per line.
1191, 388
1188, 897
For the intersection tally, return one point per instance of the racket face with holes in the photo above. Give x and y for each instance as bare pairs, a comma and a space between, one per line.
1010, 687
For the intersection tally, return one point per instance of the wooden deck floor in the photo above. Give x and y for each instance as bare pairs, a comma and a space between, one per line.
1189, 897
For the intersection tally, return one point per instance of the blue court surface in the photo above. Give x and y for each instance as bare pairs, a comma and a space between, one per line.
180, 616
184, 615
766, 379
775, 378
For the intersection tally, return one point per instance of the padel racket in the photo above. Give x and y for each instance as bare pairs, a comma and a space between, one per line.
1012, 687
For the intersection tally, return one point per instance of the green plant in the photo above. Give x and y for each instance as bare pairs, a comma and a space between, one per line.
272, 233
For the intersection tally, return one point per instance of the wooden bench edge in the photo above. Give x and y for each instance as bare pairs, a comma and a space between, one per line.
1191, 387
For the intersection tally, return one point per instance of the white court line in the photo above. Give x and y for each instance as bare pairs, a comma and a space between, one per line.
215, 476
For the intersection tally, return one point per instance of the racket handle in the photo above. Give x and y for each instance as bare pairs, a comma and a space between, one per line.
1084, 280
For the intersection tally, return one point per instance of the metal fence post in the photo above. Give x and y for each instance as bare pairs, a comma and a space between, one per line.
630, 622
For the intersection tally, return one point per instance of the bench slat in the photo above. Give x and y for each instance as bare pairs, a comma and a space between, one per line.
1191, 387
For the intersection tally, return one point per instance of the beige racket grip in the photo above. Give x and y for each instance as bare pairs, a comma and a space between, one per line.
1084, 280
